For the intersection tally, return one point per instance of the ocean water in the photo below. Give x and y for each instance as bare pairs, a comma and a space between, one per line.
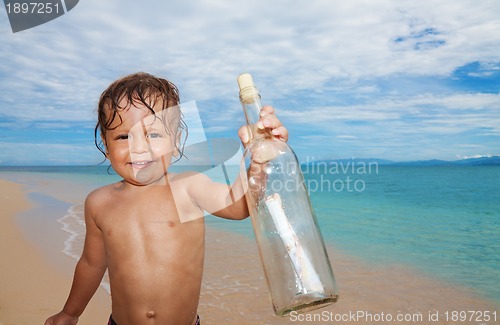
441, 221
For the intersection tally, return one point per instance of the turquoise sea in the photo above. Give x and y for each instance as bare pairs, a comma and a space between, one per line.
441, 221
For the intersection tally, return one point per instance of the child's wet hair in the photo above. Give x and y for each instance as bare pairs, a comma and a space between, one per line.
145, 90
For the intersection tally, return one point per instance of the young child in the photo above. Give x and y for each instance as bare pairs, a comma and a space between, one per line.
135, 228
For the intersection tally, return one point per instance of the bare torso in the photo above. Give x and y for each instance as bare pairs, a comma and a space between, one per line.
155, 261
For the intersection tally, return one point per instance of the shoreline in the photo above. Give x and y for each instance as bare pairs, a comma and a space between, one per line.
32, 288
233, 288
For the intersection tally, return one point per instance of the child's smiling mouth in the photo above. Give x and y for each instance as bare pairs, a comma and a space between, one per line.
140, 164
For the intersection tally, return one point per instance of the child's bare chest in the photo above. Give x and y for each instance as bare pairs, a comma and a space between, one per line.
148, 209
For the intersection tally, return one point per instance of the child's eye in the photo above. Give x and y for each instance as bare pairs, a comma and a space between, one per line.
121, 137
154, 135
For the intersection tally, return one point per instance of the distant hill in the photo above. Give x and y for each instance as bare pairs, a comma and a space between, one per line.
351, 161
482, 161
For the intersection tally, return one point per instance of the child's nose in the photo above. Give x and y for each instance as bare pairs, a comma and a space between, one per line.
138, 144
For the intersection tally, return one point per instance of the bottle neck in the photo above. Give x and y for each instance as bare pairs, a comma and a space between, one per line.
250, 101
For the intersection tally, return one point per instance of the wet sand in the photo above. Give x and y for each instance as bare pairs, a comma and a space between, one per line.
32, 289
234, 291
34, 286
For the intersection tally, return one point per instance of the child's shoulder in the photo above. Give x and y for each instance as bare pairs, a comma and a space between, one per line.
188, 179
101, 194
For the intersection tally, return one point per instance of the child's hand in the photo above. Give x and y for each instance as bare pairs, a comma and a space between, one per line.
268, 120
62, 319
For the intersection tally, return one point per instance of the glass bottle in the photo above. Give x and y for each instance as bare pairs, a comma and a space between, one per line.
296, 265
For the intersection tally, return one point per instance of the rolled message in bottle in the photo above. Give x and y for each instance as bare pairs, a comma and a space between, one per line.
301, 262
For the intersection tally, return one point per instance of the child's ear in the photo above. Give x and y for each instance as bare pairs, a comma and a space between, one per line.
105, 146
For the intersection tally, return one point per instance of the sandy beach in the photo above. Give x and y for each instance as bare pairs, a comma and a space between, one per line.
34, 286
234, 291
31, 288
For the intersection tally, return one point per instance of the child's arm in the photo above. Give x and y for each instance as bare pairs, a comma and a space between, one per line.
213, 197
88, 272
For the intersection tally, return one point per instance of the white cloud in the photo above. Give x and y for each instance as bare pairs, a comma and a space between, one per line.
299, 46
325, 48
476, 156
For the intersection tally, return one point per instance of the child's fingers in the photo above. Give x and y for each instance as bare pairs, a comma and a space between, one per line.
280, 132
269, 121
244, 134
266, 110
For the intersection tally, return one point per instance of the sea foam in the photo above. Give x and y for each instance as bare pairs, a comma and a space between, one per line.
73, 222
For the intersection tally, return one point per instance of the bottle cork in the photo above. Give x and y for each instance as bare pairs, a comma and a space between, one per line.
245, 80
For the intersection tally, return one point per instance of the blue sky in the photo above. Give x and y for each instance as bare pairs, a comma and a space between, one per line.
400, 80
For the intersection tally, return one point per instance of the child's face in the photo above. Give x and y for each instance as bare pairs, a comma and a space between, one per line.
138, 146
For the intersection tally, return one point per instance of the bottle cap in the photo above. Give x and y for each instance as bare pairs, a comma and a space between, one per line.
245, 80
